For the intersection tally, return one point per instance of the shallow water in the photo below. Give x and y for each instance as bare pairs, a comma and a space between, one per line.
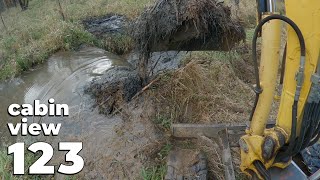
113, 147
62, 77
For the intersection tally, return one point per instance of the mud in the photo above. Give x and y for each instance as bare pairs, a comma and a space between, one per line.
108, 24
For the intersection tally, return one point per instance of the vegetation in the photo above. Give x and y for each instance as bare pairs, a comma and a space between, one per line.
6, 166
158, 171
210, 88
29, 37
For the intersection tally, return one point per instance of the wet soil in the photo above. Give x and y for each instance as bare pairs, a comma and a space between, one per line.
108, 24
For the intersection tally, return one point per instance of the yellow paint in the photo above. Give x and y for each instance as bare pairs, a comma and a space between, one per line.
254, 143
269, 65
306, 14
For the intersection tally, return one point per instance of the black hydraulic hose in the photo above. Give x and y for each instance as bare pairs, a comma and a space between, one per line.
308, 127
262, 170
316, 134
304, 126
317, 130
258, 89
316, 139
293, 130
313, 126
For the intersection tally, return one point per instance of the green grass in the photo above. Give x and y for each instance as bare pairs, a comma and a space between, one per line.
6, 169
158, 171
35, 34
163, 122
154, 173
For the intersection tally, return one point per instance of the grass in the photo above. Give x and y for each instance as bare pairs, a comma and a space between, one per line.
154, 173
210, 88
6, 169
35, 34
203, 92
158, 171
163, 122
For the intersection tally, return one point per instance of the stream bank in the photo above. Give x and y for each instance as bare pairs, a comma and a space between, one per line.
114, 147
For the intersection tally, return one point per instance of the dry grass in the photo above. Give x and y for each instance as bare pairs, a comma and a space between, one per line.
208, 89
204, 92
246, 10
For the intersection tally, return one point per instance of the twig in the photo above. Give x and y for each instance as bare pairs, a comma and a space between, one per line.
118, 110
61, 11
146, 87
152, 69
4, 25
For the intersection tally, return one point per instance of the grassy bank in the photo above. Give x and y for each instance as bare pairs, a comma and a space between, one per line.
6, 166
30, 37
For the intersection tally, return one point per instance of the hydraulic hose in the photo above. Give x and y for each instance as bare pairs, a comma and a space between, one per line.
311, 117
306, 126
258, 89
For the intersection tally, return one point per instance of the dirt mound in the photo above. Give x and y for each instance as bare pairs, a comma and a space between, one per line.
186, 25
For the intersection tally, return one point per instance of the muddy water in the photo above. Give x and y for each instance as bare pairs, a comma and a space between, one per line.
112, 146
61, 78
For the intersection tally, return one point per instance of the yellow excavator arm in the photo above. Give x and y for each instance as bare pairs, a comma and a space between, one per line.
297, 125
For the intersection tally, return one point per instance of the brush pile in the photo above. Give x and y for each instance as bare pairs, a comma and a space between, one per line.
186, 25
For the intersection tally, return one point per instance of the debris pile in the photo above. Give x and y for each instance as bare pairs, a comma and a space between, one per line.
186, 25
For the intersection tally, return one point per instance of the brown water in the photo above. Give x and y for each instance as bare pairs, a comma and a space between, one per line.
61, 78
111, 146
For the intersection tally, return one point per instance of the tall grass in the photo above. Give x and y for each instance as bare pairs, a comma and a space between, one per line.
33, 35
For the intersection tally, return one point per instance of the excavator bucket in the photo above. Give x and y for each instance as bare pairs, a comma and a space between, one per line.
292, 172
228, 137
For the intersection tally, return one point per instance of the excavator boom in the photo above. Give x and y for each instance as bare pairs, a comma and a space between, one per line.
297, 125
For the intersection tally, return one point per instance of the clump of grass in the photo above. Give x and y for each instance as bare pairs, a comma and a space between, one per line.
158, 171
163, 122
154, 173
6, 168
118, 43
